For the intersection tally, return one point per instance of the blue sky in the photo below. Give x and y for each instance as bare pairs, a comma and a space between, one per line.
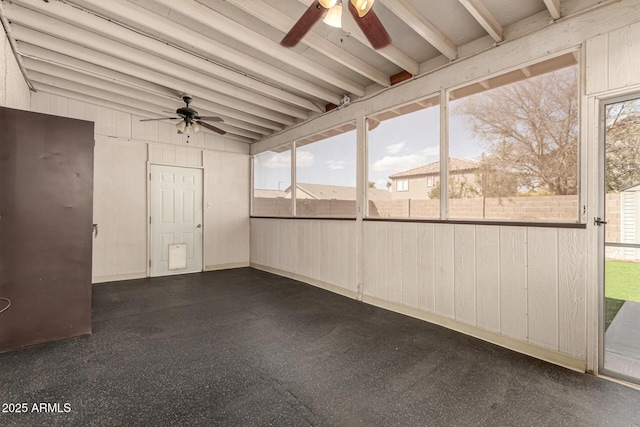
396, 145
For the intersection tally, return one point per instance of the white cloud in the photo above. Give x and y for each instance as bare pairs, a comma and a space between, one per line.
431, 151
395, 164
279, 161
304, 159
398, 163
395, 148
336, 164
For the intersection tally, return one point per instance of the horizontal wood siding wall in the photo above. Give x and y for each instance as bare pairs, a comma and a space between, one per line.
124, 146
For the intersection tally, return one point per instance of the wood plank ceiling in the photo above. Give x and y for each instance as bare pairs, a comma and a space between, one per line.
141, 56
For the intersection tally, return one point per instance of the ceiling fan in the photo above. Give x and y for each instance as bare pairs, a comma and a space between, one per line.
361, 11
191, 121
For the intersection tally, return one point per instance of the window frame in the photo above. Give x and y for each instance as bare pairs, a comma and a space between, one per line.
312, 139
369, 118
443, 97
581, 132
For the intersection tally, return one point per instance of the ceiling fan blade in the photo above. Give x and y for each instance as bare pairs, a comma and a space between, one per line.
162, 118
210, 118
372, 28
211, 127
304, 24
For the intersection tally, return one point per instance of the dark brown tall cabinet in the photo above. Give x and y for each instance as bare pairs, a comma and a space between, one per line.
46, 208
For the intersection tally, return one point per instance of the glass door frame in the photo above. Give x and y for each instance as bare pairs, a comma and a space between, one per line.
602, 244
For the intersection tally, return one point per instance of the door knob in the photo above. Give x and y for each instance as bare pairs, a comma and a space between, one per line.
199, 225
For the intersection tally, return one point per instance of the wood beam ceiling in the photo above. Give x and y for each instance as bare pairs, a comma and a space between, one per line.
478, 10
421, 26
118, 10
35, 56
273, 17
209, 17
554, 8
391, 53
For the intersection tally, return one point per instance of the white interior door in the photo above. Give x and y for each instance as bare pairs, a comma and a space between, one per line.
176, 220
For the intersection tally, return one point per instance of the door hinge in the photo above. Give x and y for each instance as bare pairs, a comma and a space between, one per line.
149, 176
149, 220
149, 263
599, 221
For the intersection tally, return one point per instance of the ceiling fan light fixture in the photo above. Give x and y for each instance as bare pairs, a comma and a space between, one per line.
195, 127
327, 4
362, 6
181, 126
334, 16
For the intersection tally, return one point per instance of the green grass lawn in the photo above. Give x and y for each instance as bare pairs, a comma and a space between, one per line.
622, 283
622, 280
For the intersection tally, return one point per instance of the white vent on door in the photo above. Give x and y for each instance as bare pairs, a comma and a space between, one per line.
178, 256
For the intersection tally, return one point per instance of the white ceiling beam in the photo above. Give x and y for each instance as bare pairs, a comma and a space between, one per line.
485, 84
390, 53
32, 37
484, 18
209, 17
45, 73
422, 27
123, 10
554, 8
118, 106
155, 69
37, 54
141, 48
276, 19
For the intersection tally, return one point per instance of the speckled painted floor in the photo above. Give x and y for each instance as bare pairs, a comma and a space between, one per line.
243, 347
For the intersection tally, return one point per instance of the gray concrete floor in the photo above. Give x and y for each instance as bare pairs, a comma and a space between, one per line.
622, 341
243, 347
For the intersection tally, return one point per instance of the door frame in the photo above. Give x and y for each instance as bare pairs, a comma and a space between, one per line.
148, 171
601, 103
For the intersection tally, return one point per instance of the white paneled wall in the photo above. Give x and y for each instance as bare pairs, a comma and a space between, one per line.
226, 210
14, 92
613, 60
124, 148
512, 285
321, 252
524, 283
120, 210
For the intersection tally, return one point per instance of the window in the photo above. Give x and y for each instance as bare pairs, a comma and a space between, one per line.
513, 145
326, 174
430, 181
272, 183
404, 148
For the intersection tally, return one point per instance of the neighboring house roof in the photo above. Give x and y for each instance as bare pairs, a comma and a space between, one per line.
456, 164
635, 187
338, 192
271, 194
